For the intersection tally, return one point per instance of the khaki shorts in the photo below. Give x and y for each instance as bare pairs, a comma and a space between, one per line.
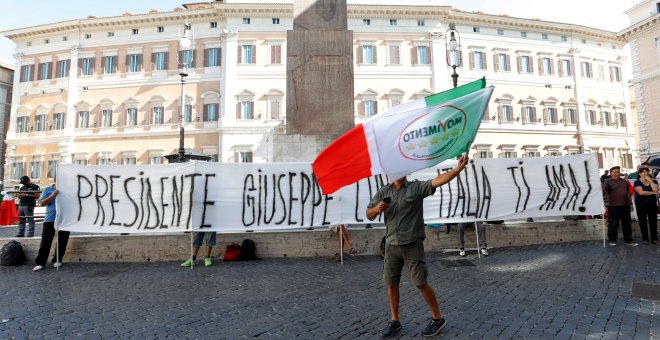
411, 254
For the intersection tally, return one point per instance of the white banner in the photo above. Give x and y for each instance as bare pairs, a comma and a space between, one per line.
238, 197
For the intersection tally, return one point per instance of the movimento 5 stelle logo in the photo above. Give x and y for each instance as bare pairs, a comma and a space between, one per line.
433, 134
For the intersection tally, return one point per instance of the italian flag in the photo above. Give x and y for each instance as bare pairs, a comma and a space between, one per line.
405, 138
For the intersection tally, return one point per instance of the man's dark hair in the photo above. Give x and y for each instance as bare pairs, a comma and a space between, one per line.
645, 164
615, 168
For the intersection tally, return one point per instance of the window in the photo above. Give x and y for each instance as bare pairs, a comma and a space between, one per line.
502, 62
615, 74
111, 34
366, 22
394, 54
508, 154
275, 108
276, 21
28, 44
131, 117
135, 31
525, 64
106, 118
65, 38
607, 118
129, 161
529, 115
109, 64
212, 57
571, 117
423, 56
26, 73
621, 117
156, 160
475, 29
248, 55
421, 23
276, 54
564, 38
591, 117
553, 153
46, 41
500, 32
247, 109
52, 167
479, 59
19, 169
551, 115
369, 107
35, 169
393, 22
523, 34
586, 70
134, 64
22, 124
83, 119
186, 57
532, 153
368, 54
213, 24
246, 21
544, 36
88, 36
566, 70
40, 122
507, 114
81, 162
160, 29
245, 156
160, 61
63, 68
211, 112
584, 41
187, 113
102, 161
547, 66
44, 71
58, 120
87, 66
485, 154
158, 115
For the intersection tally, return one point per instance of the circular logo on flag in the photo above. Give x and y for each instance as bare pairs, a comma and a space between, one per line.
433, 134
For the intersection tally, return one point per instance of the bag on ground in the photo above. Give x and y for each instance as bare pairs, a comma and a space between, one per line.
11, 254
233, 252
248, 250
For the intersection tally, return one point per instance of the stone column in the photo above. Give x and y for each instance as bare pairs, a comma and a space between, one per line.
15, 97
72, 95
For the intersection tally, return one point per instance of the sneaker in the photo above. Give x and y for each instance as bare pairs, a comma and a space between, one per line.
461, 253
188, 263
434, 327
484, 251
612, 244
392, 328
207, 262
57, 264
632, 244
38, 268
19, 235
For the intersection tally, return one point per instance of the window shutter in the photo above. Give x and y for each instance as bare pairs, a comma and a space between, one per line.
496, 62
507, 58
591, 70
564, 116
167, 59
471, 59
39, 71
545, 116
139, 60
361, 109
522, 115
618, 73
629, 160
600, 159
531, 65
611, 73
552, 66
51, 70
413, 55
237, 155
80, 63
239, 51
238, 110
219, 56
540, 66
375, 53
499, 114
252, 110
484, 60
519, 62
206, 57
127, 64
429, 57
602, 118
22, 73
153, 61
624, 122
534, 114
375, 107
358, 55
92, 65
560, 68
254, 54
515, 155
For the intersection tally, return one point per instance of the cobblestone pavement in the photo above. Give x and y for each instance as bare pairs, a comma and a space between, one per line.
577, 291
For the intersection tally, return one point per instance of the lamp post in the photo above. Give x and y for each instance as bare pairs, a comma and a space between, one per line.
453, 45
184, 59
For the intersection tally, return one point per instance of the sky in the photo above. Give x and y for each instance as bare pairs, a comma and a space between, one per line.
602, 14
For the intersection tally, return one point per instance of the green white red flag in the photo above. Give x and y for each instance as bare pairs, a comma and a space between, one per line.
405, 138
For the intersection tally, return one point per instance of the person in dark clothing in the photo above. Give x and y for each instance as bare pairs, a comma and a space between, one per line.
48, 199
26, 204
646, 193
605, 176
618, 207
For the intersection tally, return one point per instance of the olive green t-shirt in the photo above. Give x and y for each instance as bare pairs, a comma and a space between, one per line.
404, 219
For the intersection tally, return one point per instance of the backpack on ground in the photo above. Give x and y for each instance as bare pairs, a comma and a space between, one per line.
232, 252
248, 250
11, 254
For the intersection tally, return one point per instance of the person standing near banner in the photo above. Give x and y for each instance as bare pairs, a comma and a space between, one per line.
402, 204
26, 204
646, 194
207, 238
478, 229
618, 207
48, 199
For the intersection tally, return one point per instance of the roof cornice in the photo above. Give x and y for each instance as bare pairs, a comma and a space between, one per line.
642, 27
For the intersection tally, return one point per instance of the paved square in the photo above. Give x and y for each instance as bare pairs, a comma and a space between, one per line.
577, 291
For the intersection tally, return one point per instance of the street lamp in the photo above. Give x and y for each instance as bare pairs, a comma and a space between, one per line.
184, 58
453, 45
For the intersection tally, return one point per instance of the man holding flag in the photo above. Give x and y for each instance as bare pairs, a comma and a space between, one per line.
402, 203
